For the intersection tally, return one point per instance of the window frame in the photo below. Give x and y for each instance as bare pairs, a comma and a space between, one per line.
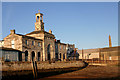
33, 43
26, 42
13, 44
39, 44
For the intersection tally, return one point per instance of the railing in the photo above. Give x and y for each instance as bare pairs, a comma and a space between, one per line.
101, 61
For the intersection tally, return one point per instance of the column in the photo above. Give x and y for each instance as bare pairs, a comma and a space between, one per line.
43, 53
41, 56
65, 56
29, 56
61, 56
23, 56
42, 18
36, 56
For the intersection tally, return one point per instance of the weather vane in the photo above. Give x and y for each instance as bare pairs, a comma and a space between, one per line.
38, 11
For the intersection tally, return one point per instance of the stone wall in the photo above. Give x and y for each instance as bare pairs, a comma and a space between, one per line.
17, 41
18, 66
10, 55
31, 48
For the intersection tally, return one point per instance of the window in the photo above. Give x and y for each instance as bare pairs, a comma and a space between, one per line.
32, 42
12, 44
56, 46
7, 56
110, 58
40, 18
63, 46
60, 46
39, 44
26, 42
37, 17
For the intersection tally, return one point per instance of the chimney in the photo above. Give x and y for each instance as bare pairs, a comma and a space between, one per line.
50, 31
58, 41
55, 40
12, 31
110, 43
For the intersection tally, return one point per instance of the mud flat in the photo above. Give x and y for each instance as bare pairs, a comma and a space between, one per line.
48, 70
91, 72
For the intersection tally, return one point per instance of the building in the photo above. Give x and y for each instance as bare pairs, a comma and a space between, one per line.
38, 45
63, 50
89, 54
110, 53
10, 54
1, 43
107, 53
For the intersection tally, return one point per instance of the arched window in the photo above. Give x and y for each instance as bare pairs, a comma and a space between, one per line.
48, 52
63, 56
56, 55
38, 56
33, 56
26, 42
60, 56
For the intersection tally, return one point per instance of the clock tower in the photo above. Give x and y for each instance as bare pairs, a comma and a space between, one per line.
39, 25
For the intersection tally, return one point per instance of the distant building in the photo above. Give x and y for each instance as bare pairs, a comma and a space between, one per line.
38, 45
89, 53
63, 50
108, 53
1, 43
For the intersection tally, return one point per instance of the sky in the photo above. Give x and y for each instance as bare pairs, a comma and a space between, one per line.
85, 24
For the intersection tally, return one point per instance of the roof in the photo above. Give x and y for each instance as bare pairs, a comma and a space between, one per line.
39, 13
110, 48
9, 49
40, 31
58, 41
1, 40
61, 43
29, 37
99, 49
88, 50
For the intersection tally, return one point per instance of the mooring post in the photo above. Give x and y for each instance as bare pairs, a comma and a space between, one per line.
33, 68
36, 71
34, 64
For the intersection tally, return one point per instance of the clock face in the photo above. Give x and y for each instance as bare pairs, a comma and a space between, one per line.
37, 25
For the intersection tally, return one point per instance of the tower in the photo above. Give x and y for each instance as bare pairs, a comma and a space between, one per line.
110, 44
39, 25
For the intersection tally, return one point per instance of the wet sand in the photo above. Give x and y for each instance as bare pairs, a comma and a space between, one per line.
90, 73
42, 73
